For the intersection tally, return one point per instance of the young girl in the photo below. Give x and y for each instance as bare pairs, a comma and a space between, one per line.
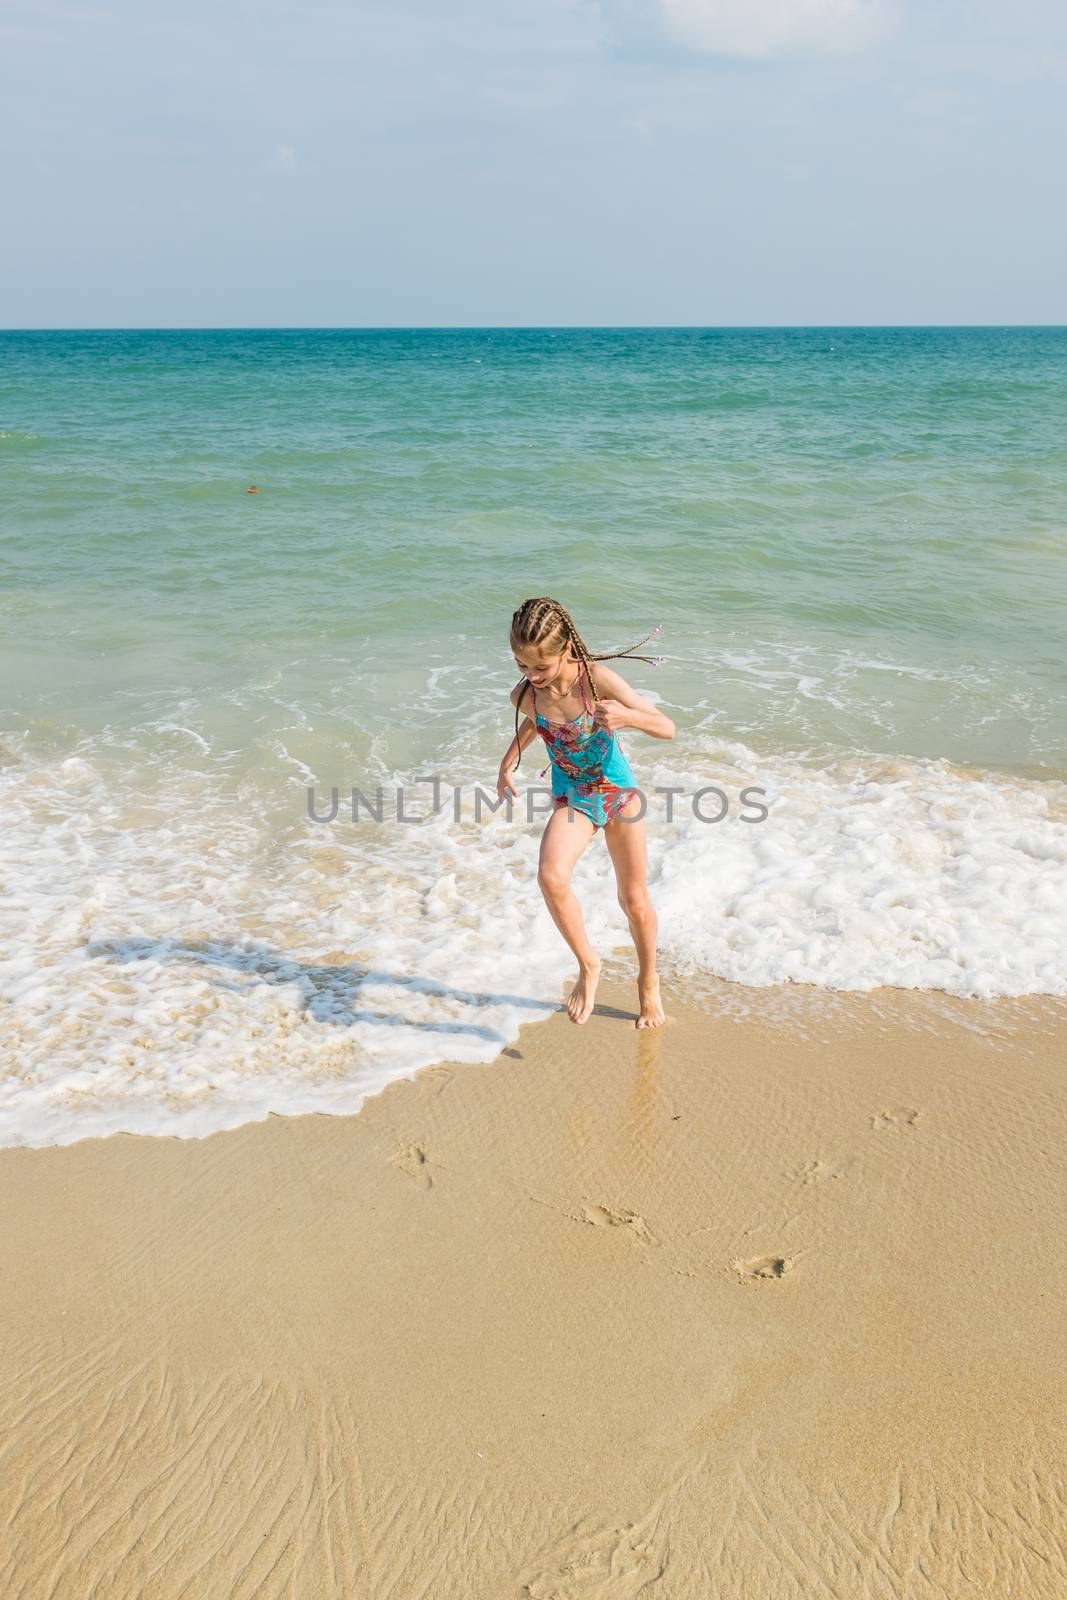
592, 783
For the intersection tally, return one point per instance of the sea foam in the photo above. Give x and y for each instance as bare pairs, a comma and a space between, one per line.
172, 963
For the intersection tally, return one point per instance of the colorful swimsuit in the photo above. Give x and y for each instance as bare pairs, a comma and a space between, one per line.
589, 772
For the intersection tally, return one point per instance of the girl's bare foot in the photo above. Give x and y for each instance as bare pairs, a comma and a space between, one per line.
651, 1005
580, 1004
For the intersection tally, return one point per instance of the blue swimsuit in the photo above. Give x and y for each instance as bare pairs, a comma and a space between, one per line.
589, 771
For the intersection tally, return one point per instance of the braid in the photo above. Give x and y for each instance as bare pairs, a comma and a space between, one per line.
545, 622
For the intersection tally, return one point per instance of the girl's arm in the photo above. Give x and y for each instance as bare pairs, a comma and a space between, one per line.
526, 735
620, 706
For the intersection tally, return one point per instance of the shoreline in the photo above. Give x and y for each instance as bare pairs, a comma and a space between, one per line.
720, 1305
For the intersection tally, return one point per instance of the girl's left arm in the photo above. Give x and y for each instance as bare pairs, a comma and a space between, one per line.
620, 706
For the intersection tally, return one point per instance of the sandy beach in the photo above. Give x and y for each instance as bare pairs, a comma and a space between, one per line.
765, 1303
699, 368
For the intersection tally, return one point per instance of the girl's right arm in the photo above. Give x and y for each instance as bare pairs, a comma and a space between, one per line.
526, 735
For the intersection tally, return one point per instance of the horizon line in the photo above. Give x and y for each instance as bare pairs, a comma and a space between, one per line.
516, 327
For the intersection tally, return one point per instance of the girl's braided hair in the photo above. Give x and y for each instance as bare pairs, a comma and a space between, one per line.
546, 623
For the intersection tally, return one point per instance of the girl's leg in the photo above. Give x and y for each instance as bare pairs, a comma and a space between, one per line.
629, 854
565, 837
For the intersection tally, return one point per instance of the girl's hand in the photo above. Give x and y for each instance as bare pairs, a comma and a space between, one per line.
505, 783
611, 715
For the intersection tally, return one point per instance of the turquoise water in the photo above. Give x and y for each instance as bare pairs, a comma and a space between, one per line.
876, 517
855, 540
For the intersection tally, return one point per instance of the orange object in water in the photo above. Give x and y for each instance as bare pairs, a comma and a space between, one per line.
252, 489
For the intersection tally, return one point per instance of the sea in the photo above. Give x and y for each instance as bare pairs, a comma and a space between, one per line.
256, 589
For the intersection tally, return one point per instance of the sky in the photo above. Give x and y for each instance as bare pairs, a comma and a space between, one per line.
223, 163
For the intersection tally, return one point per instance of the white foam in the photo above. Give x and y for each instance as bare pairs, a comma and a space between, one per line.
868, 873
175, 959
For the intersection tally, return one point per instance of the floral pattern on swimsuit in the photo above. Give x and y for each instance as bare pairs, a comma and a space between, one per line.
589, 769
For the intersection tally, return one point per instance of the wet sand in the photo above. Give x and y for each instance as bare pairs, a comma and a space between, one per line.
765, 1303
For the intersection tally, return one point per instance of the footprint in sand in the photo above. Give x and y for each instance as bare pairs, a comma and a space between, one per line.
412, 1159
895, 1118
763, 1267
440, 1077
591, 1562
608, 1217
816, 1172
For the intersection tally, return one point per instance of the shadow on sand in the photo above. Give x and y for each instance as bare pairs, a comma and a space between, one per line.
332, 993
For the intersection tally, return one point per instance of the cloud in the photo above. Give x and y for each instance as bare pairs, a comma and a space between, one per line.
771, 27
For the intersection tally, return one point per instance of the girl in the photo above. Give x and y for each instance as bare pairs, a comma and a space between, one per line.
592, 784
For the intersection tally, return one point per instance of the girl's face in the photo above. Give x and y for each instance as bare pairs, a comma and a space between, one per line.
542, 668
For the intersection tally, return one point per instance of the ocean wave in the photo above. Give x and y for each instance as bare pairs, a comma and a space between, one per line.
176, 960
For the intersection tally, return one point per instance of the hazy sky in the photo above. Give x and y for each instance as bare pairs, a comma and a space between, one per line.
396, 162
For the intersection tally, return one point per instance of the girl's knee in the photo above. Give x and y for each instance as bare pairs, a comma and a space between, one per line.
553, 881
635, 903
